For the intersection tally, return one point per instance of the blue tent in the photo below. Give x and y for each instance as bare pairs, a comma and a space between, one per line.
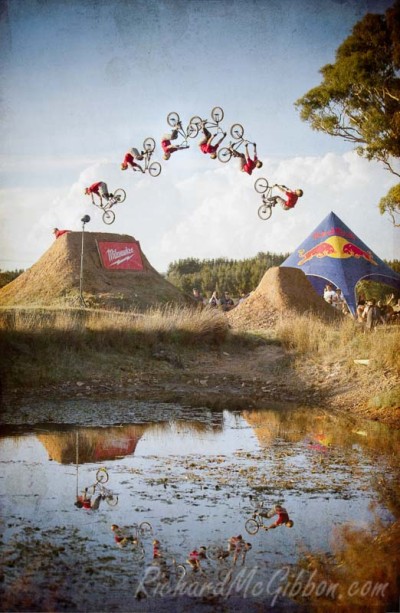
334, 254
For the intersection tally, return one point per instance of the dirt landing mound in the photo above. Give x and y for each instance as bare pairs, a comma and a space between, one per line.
54, 280
281, 290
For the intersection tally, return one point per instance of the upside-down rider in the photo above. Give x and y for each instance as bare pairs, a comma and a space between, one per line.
206, 145
129, 160
100, 189
166, 144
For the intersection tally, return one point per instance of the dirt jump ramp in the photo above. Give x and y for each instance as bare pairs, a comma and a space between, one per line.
281, 291
54, 281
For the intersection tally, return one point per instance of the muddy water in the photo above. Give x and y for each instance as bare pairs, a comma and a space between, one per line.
195, 476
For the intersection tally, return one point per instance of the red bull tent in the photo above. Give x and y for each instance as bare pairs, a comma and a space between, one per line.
334, 254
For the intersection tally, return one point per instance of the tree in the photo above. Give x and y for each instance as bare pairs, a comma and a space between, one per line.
359, 96
390, 203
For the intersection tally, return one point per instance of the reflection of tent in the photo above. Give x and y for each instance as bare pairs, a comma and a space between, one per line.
333, 253
94, 444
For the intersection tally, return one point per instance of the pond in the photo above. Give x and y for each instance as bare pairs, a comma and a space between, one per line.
197, 477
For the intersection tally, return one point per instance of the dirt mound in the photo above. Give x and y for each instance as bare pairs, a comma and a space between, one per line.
54, 280
281, 290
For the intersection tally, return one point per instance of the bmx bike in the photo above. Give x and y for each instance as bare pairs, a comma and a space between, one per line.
117, 197
237, 133
174, 121
98, 487
262, 186
196, 122
153, 168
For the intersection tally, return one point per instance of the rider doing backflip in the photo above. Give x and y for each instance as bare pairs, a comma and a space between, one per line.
100, 189
129, 160
206, 145
166, 145
291, 197
246, 163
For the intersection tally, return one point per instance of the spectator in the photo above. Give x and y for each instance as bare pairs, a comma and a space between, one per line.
214, 300
329, 293
372, 315
226, 302
197, 295
338, 299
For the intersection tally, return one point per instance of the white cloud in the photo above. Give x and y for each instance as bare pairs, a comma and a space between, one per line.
205, 209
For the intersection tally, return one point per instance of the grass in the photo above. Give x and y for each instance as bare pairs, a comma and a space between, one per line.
53, 345
49, 345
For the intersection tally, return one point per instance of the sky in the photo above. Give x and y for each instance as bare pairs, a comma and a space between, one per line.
82, 81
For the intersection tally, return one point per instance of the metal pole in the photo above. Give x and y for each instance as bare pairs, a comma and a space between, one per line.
84, 220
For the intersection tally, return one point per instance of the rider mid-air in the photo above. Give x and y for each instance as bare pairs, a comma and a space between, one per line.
166, 145
206, 145
291, 197
100, 189
246, 163
129, 160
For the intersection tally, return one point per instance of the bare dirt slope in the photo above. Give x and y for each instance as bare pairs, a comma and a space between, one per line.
54, 280
280, 291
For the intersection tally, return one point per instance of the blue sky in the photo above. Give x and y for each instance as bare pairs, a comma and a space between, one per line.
82, 82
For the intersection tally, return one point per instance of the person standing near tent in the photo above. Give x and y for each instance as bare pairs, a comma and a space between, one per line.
292, 197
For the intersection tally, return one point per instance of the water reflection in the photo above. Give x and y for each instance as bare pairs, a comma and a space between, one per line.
195, 482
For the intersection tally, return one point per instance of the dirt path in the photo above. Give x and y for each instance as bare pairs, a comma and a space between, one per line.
260, 377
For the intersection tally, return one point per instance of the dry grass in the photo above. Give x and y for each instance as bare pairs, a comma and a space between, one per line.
342, 340
361, 575
49, 345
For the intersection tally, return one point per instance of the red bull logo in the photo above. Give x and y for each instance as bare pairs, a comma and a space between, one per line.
335, 247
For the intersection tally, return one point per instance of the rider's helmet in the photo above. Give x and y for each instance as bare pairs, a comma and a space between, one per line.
213, 156
166, 156
55, 230
299, 192
124, 166
86, 190
289, 524
259, 164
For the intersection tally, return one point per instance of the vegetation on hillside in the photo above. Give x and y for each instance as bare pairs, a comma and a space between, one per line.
222, 274
6, 276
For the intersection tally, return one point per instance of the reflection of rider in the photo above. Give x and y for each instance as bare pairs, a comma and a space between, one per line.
100, 189
291, 197
166, 143
205, 144
86, 502
283, 517
130, 158
246, 163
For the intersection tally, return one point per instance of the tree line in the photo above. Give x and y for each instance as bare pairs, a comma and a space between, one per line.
234, 276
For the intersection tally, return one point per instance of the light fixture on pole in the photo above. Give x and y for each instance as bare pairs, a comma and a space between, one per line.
85, 219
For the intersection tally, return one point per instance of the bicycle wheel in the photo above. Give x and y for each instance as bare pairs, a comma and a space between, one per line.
265, 211
102, 474
120, 195
217, 114
155, 169
261, 185
193, 130
180, 570
145, 528
149, 144
173, 119
112, 500
237, 131
196, 120
224, 154
108, 217
251, 526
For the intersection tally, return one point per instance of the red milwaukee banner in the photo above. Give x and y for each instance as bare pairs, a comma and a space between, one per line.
120, 256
